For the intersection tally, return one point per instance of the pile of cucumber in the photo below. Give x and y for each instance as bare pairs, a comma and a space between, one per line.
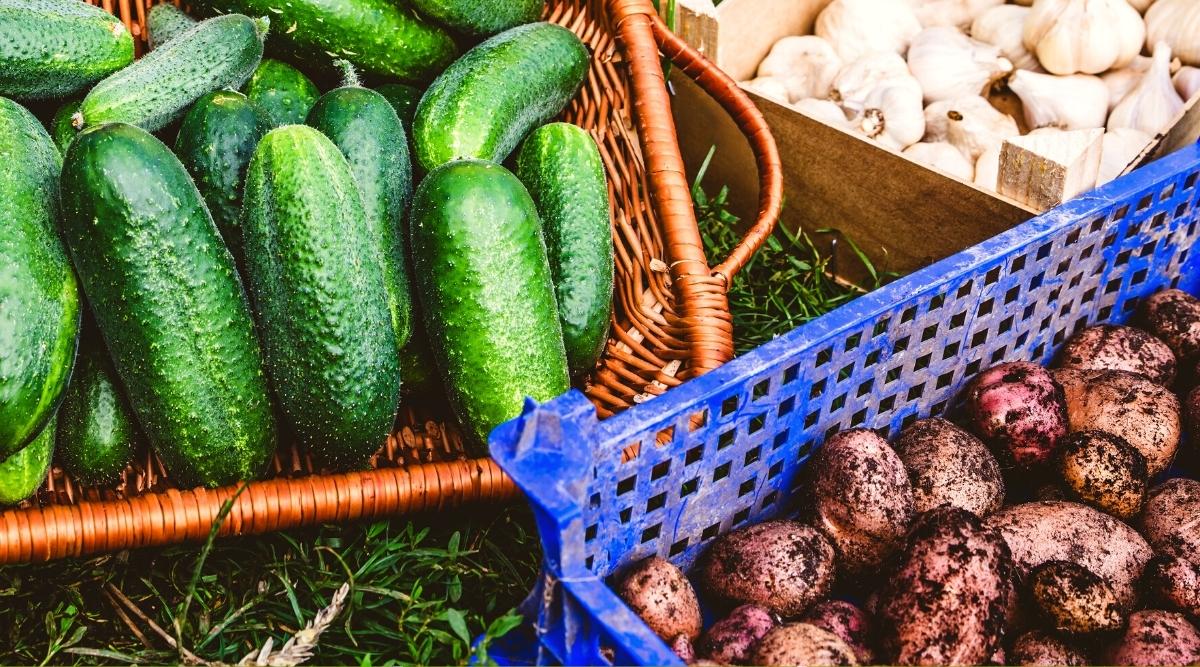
203, 253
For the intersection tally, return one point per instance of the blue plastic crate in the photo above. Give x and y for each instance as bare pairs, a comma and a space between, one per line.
725, 450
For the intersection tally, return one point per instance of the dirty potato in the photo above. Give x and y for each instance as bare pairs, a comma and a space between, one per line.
1173, 316
802, 644
1174, 584
1072, 600
1171, 518
1104, 471
730, 640
1109, 347
662, 596
1018, 409
848, 622
949, 466
1156, 637
1041, 649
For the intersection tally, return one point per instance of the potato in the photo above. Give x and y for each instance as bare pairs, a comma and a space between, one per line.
730, 640
1109, 347
1127, 404
1073, 600
802, 644
1174, 583
948, 602
783, 566
1041, 649
1041, 531
1104, 471
947, 465
662, 596
682, 646
1156, 637
1019, 410
851, 624
1173, 316
860, 498
1171, 518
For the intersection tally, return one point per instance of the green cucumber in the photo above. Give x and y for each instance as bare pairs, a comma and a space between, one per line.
486, 293
365, 127
404, 99
39, 298
24, 472
215, 144
560, 164
481, 17
97, 432
169, 304
56, 48
376, 35
61, 129
166, 22
282, 92
484, 104
157, 89
319, 294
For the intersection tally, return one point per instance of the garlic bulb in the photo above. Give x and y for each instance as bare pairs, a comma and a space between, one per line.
857, 27
948, 64
1176, 22
1002, 27
1120, 148
826, 111
955, 13
807, 65
1077, 102
769, 87
943, 157
857, 79
970, 124
1187, 82
987, 168
937, 120
1122, 80
893, 115
1152, 104
1083, 36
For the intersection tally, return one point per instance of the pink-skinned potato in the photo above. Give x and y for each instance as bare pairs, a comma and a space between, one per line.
1041, 649
947, 604
1174, 584
662, 596
1109, 347
682, 647
1042, 531
1173, 316
730, 640
1019, 410
802, 644
1171, 518
851, 624
1156, 637
949, 466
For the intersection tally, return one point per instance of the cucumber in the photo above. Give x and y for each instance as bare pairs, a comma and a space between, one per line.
97, 432
481, 17
365, 127
484, 104
166, 22
319, 293
39, 298
486, 293
169, 305
23, 473
282, 92
560, 164
56, 48
376, 36
215, 144
61, 130
404, 99
218, 53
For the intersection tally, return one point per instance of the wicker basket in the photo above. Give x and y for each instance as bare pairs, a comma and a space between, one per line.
671, 322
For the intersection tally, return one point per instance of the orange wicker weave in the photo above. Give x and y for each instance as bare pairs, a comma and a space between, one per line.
671, 321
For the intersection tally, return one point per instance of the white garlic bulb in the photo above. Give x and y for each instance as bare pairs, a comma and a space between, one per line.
769, 87
948, 64
943, 157
857, 27
1122, 80
973, 127
1153, 104
1002, 27
1176, 22
893, 115
1083, 36
955, 13
1076, 102
858, 78
1121, 147
987, 168
826, 111
1187, 82
937, 120
806, 64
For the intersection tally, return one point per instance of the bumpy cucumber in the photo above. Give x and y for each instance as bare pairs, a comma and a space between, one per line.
376, 35
481, 17
97, 432
319, 293
282, 92
169, 304
56, 48
486, 293
484, 104
215, 144
39, 298
218, 53
365, 127
22, 473
560, 164
404, 99
61, 129
166, 22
